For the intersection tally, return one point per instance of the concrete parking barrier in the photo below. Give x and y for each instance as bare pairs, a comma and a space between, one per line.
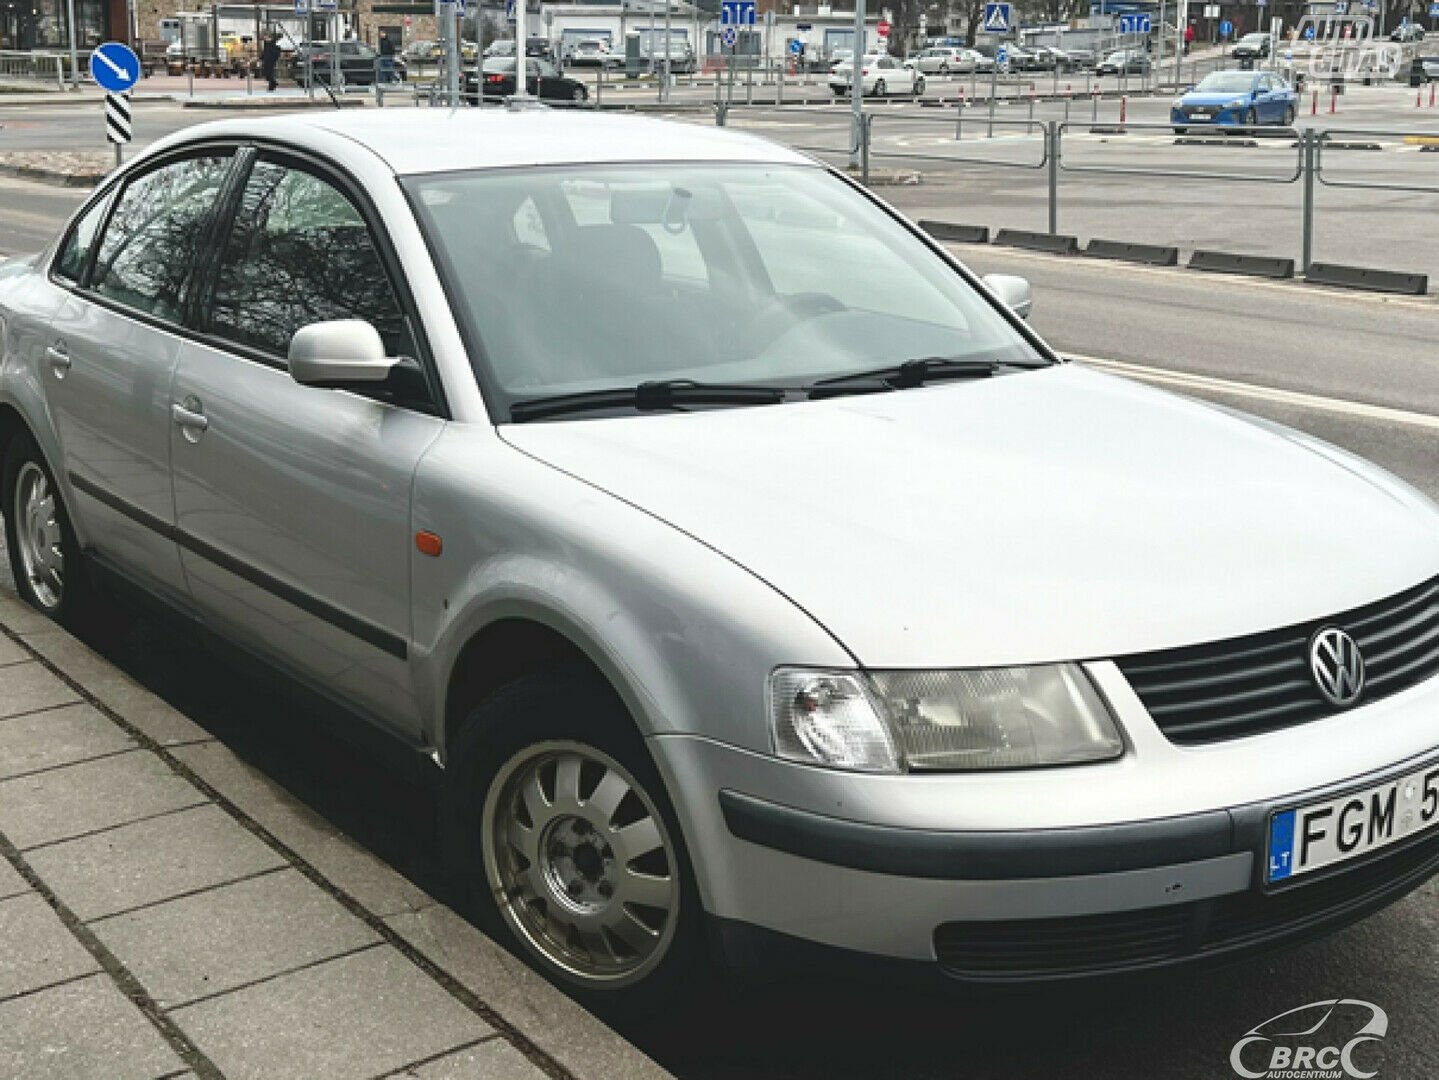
1225, 262
956, 233
1150, 254
1053, 243
1359, 277
1189, 140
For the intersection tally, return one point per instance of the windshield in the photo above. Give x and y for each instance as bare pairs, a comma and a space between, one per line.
578, 278
1226, 82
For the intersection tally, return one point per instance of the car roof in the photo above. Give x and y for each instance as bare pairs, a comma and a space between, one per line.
412, 141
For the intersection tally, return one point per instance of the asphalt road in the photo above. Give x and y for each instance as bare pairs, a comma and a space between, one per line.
1327, 362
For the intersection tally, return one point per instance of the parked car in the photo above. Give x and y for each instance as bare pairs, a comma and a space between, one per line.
1424, 69
605, 578
1124, 61
1040, 58
840, 56
946, 60
1408, 32
1253, 46
358, 63
596, 53
1235, 99
1079, 59
543, 80
423, 50
880, 74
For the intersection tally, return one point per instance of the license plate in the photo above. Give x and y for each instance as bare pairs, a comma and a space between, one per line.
1201, 112
1310, 837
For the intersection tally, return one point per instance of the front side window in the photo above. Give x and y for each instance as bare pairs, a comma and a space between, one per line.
155, 233
717, 273
300, 253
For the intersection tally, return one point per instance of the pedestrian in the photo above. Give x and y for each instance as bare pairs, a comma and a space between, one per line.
1188, 38
387, 58
270, 59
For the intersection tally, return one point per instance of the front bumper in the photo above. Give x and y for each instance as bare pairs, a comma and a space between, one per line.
1034, 874
1223, 117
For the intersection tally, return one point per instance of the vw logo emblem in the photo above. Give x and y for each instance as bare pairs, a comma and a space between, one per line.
1337, 666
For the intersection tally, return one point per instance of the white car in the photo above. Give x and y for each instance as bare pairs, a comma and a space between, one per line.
881, 73
595, 53
944, 60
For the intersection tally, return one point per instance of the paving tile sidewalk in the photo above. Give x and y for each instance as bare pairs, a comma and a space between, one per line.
167, 911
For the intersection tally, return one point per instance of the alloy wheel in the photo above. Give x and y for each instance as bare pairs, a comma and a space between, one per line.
580, 863
38, 535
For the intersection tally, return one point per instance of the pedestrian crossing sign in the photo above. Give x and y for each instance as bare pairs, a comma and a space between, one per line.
998, 18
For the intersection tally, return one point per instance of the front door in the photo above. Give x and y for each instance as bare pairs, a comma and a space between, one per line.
293, 502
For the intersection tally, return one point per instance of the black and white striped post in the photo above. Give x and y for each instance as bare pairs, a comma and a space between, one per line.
117, 121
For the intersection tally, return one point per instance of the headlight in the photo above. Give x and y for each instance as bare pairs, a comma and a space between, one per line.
1237, 103
927, 721
1178, 103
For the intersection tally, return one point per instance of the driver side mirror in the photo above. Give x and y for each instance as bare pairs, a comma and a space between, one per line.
1013, 291
339, 353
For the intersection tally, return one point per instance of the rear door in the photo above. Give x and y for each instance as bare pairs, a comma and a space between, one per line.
293, 503
113, 353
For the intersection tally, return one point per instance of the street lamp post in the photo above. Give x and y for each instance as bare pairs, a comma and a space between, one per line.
856, 84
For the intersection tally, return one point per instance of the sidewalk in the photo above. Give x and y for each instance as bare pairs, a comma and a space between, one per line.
167, 911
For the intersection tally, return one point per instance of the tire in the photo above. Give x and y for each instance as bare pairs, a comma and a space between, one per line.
560, 907
918, 87
579, 95
879, 88
44, 554
1289, 115
1251, 118
944, 69
1181, 131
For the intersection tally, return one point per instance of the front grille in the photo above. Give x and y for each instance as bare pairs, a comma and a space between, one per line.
1036, 949
1246, 685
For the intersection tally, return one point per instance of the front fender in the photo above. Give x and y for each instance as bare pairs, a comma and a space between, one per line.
686, 636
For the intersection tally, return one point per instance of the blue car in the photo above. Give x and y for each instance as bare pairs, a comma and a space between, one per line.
1235, 99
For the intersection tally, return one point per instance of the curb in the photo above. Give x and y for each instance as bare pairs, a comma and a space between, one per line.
56, 177
1054, 244
1358, 277
1225, 262
959, 234
1149, 254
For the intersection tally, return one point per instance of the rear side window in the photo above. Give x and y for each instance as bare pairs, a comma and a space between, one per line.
76, 254
153, 236
300, 253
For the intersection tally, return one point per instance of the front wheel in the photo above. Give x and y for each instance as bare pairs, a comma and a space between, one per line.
562, 830
578, 95
44, 554
1289, 115
918, 87
879, 88
1251, 118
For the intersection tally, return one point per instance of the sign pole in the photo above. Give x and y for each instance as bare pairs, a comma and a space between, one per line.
1181, 21
74, 48
856, 85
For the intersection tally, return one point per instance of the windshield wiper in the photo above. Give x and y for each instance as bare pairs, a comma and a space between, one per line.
647, 397
903, 376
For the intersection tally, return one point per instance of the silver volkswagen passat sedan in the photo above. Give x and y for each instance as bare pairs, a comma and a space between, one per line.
757, 582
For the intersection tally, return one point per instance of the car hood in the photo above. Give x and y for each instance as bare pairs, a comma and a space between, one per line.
1215, 99
1048, 515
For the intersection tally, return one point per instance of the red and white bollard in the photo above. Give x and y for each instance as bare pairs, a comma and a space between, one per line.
1419, 98
1314, 104
1432, 87
1333, 100
1123, 108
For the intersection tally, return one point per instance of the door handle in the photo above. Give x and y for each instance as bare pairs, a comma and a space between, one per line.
59, 359
189, 418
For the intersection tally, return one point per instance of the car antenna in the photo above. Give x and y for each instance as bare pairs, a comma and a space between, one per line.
311, 61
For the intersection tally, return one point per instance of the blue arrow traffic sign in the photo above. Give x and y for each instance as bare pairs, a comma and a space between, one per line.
998, 18
509, 10
1309, 33
737, 13
1135, 24
729, 35
796, 46
1226, 28
1434, 11
1001, 56
115, 67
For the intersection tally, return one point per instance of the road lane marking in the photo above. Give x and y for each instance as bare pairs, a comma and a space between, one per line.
1272, 394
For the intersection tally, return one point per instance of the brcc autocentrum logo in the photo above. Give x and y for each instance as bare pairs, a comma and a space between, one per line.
1324, 1040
